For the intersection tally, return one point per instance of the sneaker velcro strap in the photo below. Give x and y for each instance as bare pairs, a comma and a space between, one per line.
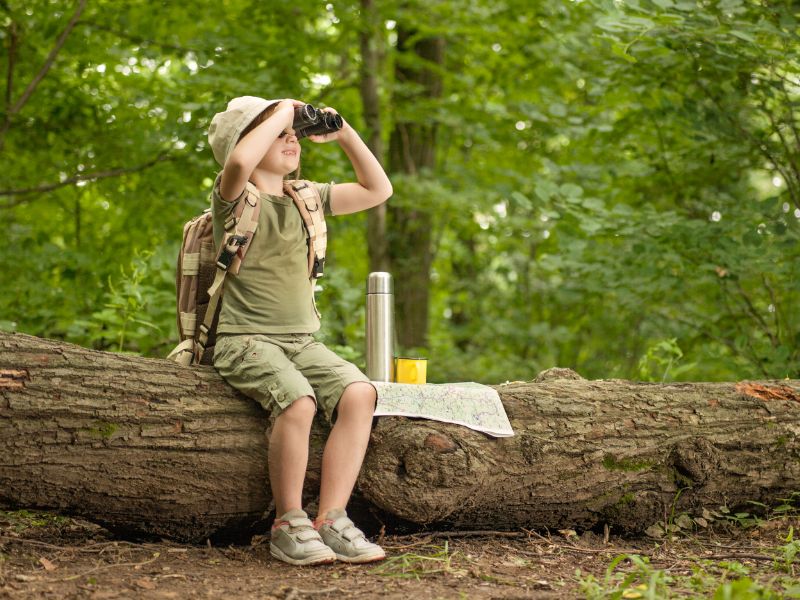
300, 522
306, 535
342, 523
352, 534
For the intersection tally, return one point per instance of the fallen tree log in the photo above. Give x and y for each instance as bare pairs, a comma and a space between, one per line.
145, 446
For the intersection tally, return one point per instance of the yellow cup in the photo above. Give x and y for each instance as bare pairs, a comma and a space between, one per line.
410, 370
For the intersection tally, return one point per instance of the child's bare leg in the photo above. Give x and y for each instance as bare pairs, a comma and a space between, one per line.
346, 446
288, 454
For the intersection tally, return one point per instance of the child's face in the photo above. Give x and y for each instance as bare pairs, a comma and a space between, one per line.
284, 155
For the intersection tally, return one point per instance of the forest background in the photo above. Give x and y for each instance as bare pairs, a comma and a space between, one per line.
608, 186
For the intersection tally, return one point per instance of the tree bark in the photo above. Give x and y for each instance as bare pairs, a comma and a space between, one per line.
145, 446
371, 42
412, 151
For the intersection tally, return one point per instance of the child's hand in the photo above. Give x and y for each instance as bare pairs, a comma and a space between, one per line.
289, 103
329, 137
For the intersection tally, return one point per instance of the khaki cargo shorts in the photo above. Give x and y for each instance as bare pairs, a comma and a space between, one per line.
277, 369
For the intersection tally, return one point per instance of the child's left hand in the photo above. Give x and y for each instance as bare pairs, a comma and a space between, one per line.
329, 137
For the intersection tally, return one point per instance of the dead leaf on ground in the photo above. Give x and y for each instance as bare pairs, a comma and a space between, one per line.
145, 584
48, 565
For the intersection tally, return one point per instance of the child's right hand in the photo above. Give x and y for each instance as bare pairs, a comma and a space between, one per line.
290, 104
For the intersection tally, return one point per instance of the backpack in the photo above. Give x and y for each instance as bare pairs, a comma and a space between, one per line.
201, 269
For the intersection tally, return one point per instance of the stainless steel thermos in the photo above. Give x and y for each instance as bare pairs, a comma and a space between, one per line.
380, 327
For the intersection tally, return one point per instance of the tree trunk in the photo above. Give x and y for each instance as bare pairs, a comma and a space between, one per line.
412, 151
146, 446
371, 43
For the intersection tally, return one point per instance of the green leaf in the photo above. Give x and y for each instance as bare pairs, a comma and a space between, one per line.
742, 35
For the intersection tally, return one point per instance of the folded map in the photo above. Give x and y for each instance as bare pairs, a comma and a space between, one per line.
470, 404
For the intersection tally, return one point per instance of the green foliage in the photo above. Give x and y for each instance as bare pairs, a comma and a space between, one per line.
415, 565
642, 581
615, 189
660, 361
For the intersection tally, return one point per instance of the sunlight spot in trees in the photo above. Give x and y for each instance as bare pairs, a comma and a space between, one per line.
771, 308
797, 212
390, 24
777, 181
497, 47
100, 68
546, 233
483, 221
581, 83
544, 218
786, 207
179, 144
164, 69
500, 209
447, 313
320, 79
520, 125
522, 145
333, 18
716, 216
187, 116
148, 63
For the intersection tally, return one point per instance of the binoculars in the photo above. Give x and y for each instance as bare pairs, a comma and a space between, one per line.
312, 121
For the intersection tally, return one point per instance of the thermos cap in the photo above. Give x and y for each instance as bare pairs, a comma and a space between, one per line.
380, 282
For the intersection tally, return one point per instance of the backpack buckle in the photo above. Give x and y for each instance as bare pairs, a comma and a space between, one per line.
316, 269
229, 251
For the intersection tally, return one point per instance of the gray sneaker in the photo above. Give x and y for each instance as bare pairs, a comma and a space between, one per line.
348, 541
296, 542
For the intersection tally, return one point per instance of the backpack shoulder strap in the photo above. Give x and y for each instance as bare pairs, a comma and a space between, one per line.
239, 231
308, 202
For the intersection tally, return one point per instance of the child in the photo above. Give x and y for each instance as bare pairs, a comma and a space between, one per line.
265, 347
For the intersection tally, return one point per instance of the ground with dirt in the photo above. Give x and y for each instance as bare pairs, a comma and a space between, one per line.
737, 557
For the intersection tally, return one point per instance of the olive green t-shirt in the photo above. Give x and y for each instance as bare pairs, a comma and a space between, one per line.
272, 292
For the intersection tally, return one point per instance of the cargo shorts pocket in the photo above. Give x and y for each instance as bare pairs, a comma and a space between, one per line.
284, 387
260, 370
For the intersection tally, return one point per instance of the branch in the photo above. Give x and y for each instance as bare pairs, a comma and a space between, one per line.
754, 313
761, 147
777, 128
42, 72
791, 113
774, 304
12, 51
82, 177
754, 355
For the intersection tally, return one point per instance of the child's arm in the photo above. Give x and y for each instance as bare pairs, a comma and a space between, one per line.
248, 153
373, 185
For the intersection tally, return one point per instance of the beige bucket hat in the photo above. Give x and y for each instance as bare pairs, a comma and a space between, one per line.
227, 126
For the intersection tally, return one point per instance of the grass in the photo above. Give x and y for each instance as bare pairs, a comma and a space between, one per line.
27, 519
632, 576
417, 566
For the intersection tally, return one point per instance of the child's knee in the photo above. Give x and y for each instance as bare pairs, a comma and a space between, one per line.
300, 412
358, 400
